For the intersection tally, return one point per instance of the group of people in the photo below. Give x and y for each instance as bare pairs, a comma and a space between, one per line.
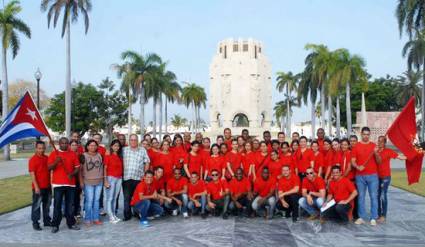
244, 176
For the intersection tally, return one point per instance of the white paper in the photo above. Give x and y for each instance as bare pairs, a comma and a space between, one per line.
328, 205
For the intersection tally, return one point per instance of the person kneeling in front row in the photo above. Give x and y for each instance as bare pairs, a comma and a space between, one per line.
288, 187
197, 192
313, 192
177, 191
343, 192
144, 200
217, 195
240, 194
264, 189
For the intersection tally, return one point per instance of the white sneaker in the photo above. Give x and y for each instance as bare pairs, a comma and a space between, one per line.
373, 222
175, 212
150, 217
117, 219
112, 220
185, 215
359, 221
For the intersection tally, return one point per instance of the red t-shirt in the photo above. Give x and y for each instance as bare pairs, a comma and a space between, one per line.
174, 185
193, 189
179, 153
102, 151
187, 146
364, 157
327, 160
228, 144
215, 163
288, 183
318, 162
321, 143
114, 165
153, 157
341, 189
314, 186
238, 187
38, 165
194, 163
159, 183
303, 159
66, 166
288, 159
249, 159
336, 158
235, 160
264, 187
384, 169
142, 187
275, 168
214, 189
261, 161
167, 163
346, 163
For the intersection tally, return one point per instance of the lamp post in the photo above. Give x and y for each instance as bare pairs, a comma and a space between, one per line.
38, 76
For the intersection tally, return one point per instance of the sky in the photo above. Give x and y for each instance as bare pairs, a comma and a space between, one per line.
186, 33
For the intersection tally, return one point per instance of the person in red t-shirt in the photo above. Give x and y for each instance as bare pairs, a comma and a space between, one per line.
233, 160
281, 137
159, 183
113, 172
345, 162
177, 191
228, 138
179, 151
197, 193
353, 141
144, 200
187, 141
318, 159
288, 187
275, 165
64, 165
384, 172
166, 159
276, 146
194, 161
241, 144
313, 190
100, 149
295, 136
206, 148
217, 195
74, 146
304, 158
267, 138
249, 161
214, 162
320, 133
262, 158
287, 158
41, 191
264, 191
365, 158
256, 146
240, 194
343, 192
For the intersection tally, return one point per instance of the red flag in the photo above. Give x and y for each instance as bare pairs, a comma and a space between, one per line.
402, 134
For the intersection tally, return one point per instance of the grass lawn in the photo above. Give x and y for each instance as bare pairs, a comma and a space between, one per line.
15, 193
399, 180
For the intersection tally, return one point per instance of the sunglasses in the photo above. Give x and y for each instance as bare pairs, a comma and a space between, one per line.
214, 174
310, 173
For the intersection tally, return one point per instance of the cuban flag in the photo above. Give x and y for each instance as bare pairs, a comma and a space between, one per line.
22, 122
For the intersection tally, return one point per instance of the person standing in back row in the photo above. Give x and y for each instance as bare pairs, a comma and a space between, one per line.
135, 162
365, 159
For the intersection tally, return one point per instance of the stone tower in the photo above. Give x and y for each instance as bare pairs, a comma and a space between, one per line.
240, 87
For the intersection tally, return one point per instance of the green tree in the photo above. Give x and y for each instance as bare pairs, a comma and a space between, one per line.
280, 109
112, 110
171, 92
71, 11
195, 96
409, 86
287, 82
10, 26
178, 121
85, 100
307, 90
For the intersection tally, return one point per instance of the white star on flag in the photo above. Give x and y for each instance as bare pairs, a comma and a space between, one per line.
31, 114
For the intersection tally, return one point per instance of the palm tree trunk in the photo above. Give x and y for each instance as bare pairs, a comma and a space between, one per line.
192, 124
68, 89
154, 104
160, 116
313, 119
199, 118
196, 119
5, 99
322, 105
282, 123
129, 112
142, 109
348, 108
338, 118
166, 115
422, 137
288, 112
330, 115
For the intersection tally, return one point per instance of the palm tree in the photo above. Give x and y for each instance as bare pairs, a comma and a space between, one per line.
281, 108
141, 65
177, 121
289, 83
411, 19
317, 68
307, 90
71, 11
195, 96
10, 26
171, 92
409, 86
347, 70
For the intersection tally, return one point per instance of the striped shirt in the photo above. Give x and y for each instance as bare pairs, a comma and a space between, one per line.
134, 161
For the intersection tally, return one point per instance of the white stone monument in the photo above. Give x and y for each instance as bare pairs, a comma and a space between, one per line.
240, 87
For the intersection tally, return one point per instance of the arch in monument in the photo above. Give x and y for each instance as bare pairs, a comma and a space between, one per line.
240, 120
219, 119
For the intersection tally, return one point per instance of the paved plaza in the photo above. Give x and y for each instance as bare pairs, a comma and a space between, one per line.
405, 227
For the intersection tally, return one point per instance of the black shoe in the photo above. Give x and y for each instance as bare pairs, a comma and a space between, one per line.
203, 215
55, 229
225, 216
74, 227
36, 227
48, 223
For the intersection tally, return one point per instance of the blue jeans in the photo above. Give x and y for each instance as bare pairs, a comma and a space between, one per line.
148, 208
270, 202
173, 205
202, 200
111, 194
384, 183
91, 201
311, 209
371, 183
